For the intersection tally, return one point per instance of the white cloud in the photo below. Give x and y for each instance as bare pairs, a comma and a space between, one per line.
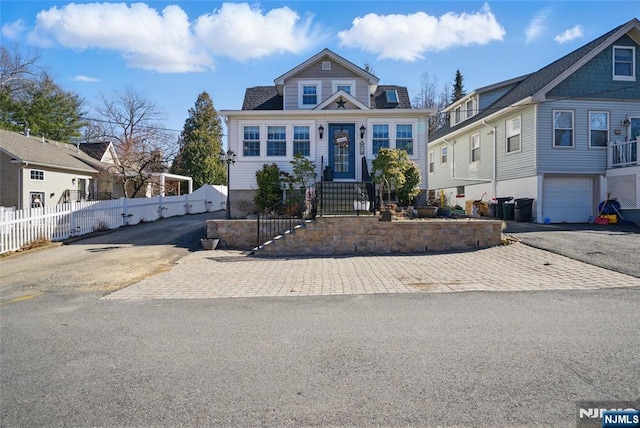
13, 30
83, 78
537, 25
243, 32
409, 37
570, 34
167, 41
147, 39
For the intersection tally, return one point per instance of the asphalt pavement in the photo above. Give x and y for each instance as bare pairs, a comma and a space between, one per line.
614, 247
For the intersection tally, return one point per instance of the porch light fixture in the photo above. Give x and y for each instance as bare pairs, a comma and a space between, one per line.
626, 121
320, 131
229, 157
362, 130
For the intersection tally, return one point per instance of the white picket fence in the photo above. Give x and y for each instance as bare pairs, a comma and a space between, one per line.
18, 228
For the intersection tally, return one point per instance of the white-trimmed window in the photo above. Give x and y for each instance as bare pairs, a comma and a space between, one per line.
624, 63
470, 108
251, 141
563, 128
514, 135
309, 94
443, 154
349, 86
457, 115
302, 140
404, 137
475, 147
37, 175
277, 140
380, 138
431, 163
598, 128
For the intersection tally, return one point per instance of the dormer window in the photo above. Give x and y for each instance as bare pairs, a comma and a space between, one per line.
470, 108
624, 63
391, 96
457, 115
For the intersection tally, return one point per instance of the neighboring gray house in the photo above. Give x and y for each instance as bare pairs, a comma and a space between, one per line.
331, 111
35, 171
565, 135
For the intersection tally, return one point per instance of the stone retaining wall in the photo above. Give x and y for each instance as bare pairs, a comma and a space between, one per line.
351, 235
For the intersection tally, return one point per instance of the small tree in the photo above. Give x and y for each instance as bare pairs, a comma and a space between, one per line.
269, 191
409, 191
387, 170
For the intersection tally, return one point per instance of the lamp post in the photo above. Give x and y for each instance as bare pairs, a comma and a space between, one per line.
229, 157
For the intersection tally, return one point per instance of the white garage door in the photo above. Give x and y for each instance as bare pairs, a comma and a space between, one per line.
567, 199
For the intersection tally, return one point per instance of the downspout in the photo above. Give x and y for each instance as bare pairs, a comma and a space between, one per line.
494, 163
21, 185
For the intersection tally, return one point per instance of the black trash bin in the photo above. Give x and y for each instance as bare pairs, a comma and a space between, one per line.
523, 209
500, 207
328, 173
508, 211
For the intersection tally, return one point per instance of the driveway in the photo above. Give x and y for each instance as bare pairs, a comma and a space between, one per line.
612, 247
104, 262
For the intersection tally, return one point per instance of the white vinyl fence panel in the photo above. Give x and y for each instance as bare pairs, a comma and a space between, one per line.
18, 228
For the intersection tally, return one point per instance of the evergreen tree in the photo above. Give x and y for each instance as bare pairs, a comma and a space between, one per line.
458, 87
200, 145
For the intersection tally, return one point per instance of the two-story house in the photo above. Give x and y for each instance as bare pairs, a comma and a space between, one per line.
564, 136
331, 111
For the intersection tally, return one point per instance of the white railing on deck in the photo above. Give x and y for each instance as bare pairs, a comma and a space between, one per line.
18, 228
622, 153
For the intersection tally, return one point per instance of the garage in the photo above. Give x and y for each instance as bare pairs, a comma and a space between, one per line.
567, 199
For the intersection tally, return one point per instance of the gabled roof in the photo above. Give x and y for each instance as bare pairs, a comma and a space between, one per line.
44, 153
485, 89
341, 96
326, 53
262, 98
537, 84
103, 153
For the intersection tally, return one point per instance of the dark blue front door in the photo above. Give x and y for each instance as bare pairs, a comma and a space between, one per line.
342, 150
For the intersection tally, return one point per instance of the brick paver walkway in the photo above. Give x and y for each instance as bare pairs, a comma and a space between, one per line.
225, 274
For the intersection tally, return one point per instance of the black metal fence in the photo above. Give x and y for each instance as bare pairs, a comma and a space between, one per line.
321, 198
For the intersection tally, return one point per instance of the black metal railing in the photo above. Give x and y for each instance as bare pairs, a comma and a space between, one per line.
297, 206
72, 196
334, 197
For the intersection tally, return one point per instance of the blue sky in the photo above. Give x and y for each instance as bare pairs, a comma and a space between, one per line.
170, 52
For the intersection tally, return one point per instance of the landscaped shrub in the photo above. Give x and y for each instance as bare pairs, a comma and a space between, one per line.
409, 191
269, 191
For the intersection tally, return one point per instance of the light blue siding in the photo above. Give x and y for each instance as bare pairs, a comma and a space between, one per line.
581, 158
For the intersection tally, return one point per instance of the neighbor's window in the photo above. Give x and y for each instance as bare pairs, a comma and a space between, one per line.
513, 135
431, 163
470, 107
302, 140
562, 128
37, 174
457, 117
404, 138
443, 154
598, 128
475, 147
380, 137
276, 140
624, 63
251, 141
